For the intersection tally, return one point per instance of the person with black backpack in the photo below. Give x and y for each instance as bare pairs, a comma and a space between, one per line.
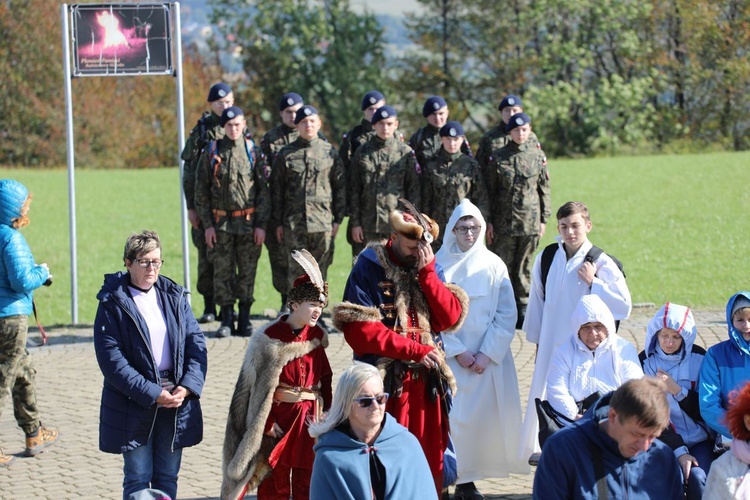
572, 274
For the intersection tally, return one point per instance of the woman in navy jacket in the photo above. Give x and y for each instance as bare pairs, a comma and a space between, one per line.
152, 354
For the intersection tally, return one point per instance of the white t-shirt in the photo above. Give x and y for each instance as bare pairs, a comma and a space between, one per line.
148, 305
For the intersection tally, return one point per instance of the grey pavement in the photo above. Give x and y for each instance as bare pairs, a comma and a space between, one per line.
69, 386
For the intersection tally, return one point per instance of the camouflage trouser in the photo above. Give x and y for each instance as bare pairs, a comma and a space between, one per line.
205, 285
17, 372
277, 254
318, 244
518, 254
235, 260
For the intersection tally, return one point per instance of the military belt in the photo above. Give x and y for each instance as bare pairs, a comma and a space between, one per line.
246, 213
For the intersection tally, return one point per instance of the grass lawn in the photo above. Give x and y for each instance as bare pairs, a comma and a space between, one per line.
675, 222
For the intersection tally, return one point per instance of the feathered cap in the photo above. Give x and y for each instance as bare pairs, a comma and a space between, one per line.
413, 224
309, 287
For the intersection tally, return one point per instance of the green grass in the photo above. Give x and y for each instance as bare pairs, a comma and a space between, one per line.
678, 224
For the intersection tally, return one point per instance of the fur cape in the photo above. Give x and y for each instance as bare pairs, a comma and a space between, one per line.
406, 293
246, 448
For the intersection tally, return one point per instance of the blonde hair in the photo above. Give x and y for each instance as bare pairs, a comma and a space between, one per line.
22, 220
139, 244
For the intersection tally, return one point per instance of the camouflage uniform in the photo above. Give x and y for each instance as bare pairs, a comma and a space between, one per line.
206, 130
17, 377
496, 138
518, 187
308, 196
381, 172
274, 140
426, 144
232, 196
448, 179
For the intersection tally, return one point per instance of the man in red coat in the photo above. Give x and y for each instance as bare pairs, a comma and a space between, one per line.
395, 306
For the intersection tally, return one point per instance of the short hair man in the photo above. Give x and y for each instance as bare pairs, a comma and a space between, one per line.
395, 305
426, 140
498, 136
613, 447
231, 197
208, 129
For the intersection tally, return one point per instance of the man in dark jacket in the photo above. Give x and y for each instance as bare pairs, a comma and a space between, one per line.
613, 446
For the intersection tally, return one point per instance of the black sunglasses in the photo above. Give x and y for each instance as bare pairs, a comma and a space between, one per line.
366, 401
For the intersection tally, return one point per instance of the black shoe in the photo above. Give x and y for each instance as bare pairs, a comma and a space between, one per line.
467, 491
244, 327
209, 310
227, 325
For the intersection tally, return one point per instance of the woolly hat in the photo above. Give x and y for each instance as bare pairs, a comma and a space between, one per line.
411, 223
310, 286
219, 91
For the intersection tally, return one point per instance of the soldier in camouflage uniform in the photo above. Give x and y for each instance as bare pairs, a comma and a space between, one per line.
274, 140
518, 186
232, 200
450, 177
208, 129
426, 141
381, 172
497, 137
308, 194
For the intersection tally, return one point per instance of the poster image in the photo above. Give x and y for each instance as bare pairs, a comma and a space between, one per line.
121, 39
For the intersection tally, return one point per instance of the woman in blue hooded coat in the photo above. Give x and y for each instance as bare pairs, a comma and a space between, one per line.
152, 354
19, 277
672, 356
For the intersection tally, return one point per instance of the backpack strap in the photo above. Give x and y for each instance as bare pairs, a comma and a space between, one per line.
593, 254
213, 154
250, 150
548, 255
602, 492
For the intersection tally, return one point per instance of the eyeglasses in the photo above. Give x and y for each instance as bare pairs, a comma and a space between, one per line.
466, 229
366, 401
144, 263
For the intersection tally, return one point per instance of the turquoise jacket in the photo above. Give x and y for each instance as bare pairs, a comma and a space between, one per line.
19, 275
725, 368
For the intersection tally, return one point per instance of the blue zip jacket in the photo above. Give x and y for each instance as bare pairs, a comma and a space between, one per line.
131, 375
725, 368
19, 275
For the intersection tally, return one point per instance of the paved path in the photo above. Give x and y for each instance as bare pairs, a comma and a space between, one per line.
69, 386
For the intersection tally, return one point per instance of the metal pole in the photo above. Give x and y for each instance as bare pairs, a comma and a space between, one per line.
181, 143
71, 165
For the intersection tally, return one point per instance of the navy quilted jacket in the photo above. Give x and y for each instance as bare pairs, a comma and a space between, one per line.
19, 275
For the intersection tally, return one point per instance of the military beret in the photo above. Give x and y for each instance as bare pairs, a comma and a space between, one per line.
517, 120
219, 91
382, 113
432, 104
510, 100
229, 114
289, 99
371, 98
452, 129
304, 112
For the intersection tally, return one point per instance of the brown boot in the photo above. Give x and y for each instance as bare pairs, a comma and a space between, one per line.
36, 443
5, 460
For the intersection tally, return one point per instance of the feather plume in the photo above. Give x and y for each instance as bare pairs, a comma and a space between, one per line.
310, 266
426, 234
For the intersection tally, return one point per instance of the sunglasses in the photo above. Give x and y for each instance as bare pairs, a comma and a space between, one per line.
366, 401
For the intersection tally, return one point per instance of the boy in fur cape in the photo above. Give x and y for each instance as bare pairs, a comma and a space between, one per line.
285, 382
395, 298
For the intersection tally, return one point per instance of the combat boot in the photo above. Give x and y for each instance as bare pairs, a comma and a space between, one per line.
227, 322
244, 327
5, 460
209, 310
37, 441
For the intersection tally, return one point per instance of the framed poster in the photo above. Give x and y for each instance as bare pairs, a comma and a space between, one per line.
121, 39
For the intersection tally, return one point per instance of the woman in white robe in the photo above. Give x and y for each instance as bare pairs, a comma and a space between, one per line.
549, 313
486, 412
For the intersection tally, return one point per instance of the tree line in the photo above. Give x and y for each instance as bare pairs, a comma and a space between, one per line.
600, 77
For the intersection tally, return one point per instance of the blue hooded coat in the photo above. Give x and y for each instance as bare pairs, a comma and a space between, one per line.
131, 375
725, 368
19, 274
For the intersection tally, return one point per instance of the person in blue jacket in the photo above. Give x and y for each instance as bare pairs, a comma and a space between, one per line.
726, 367
19, 277
152, 354
362, 452
613, 446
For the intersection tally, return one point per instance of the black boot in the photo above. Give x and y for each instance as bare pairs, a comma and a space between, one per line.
467, 491
209, 310
227, 323
244, 327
